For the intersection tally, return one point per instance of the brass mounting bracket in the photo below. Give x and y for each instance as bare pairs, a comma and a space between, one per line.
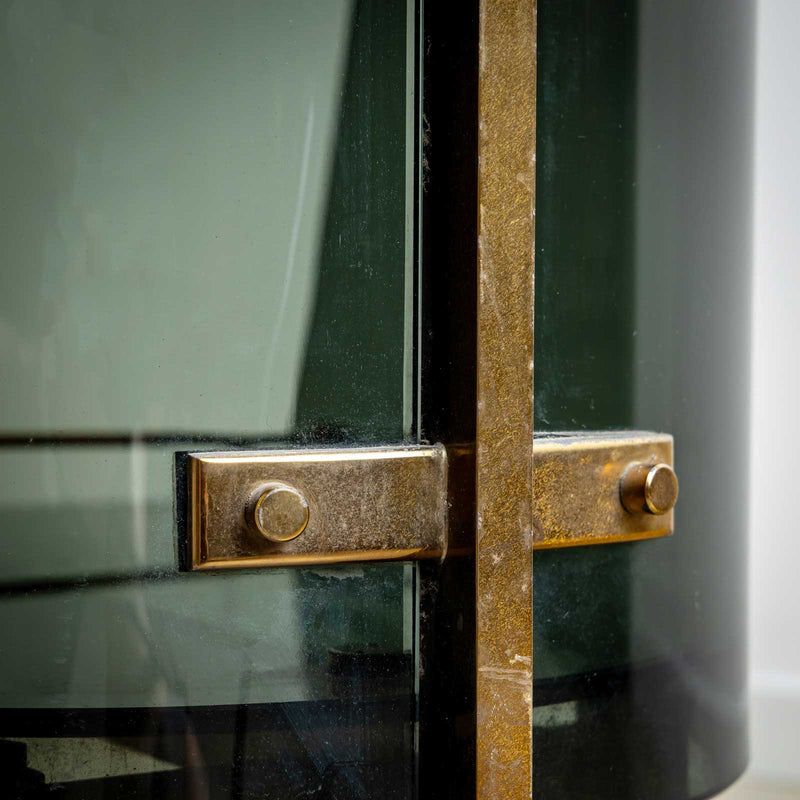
300, 507
595, 488
295, 507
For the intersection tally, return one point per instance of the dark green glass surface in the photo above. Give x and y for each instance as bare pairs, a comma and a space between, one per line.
208, 214
352, 383
642, 321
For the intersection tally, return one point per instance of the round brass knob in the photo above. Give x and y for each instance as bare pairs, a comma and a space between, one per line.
648, 488
281, 512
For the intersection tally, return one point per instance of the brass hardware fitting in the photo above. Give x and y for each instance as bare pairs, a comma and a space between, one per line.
280, 512
647, 488
295, 507
367, 504
602, 487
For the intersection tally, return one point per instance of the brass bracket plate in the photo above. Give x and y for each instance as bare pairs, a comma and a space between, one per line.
364, 504
577, 477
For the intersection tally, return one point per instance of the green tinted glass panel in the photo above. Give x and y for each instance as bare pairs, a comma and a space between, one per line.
208, 244
642, 315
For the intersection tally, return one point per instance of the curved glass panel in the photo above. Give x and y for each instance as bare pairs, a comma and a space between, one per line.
642, 321
208, 243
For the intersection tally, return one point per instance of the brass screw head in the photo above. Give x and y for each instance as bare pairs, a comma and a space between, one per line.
281, 512
648, 488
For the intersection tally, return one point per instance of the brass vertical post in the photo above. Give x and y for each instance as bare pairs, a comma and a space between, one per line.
507, 147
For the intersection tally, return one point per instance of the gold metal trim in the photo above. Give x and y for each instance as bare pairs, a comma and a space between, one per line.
504, 440
578, 488
366, 504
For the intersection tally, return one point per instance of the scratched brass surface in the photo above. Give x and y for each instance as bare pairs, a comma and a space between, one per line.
504, 445
576, 495
366, 504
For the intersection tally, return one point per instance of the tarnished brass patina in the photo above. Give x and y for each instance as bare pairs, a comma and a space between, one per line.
645, 488
504, 435
602, 487
280, 512
299, 507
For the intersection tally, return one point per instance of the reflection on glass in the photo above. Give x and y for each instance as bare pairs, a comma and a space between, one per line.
642, 321
292, 681
208, 217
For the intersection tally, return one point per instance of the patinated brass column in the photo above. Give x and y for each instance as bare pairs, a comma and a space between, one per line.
507, 153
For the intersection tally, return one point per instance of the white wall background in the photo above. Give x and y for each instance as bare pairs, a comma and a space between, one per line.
775, 428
